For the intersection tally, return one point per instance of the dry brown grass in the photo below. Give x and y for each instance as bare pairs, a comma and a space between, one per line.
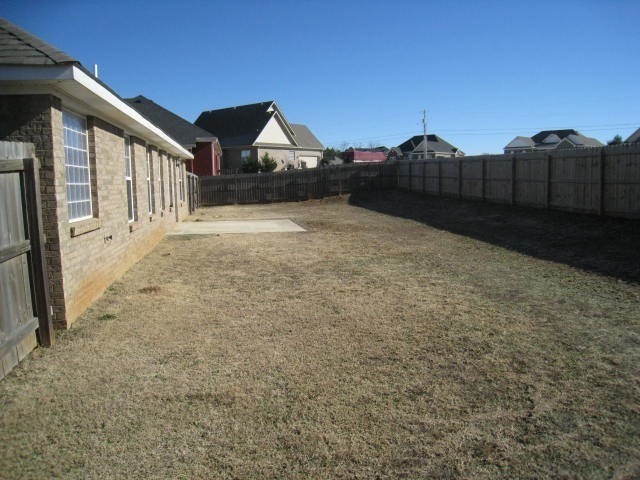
372, 346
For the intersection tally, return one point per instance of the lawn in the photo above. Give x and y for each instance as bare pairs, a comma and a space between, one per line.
399, 337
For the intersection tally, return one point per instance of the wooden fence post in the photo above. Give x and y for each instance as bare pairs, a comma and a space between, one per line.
484, 179
603, 158
513, 180
439, 177
37, 256
410, 181
548, 182
459, 178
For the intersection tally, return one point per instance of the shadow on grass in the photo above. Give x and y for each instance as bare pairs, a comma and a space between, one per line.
607, 246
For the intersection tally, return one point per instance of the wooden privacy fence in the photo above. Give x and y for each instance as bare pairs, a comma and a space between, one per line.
604, 181
193, 191
24, 294
295, 185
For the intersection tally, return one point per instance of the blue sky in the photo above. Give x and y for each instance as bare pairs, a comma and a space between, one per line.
360, 73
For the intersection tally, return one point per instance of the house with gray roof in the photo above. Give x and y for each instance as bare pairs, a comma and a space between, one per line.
204, 145
249, 131
437, 147
112, 182
550, 140
634, 137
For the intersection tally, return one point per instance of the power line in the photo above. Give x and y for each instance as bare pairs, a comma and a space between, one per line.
488, 131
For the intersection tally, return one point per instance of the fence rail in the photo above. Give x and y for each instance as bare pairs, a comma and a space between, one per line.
603, 181
295, 185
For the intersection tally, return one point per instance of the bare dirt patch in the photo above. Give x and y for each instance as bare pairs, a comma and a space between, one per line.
393, 339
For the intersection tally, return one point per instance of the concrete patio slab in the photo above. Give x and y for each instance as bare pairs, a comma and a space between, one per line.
278, 225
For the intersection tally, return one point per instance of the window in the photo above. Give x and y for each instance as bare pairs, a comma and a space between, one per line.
170, 171
149, 183
128, 179
179, 173
292, 157
76, 160
244, 155
162, 202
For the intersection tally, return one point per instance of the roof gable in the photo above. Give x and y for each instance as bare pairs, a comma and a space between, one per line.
175, 126
435, 144
634, 137
237, 126
274, 132
19, 47
541, 136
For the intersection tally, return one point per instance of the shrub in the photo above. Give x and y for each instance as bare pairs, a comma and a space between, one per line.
268, 163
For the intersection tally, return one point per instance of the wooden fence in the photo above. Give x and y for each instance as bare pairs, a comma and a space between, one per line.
24, 294
193, 191
603, 181
295, 185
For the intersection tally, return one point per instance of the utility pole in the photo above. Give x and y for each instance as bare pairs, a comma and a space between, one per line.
424, 124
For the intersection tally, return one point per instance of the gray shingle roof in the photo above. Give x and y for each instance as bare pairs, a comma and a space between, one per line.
304, 137
634, 137
236, 126
19, 47
181, 130
540, 136
435, 144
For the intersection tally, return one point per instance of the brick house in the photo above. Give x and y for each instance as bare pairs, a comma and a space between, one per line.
112, 183
205, 147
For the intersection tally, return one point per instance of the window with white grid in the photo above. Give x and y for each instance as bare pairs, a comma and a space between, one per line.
76, 154
180, 175
149, 183
128, 178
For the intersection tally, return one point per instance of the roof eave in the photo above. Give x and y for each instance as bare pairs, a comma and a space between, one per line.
82, 87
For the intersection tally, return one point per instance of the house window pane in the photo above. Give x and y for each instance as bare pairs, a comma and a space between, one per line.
149, 183
179, 173
76, 154
128, 178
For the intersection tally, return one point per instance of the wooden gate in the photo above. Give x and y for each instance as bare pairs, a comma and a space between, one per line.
24, 298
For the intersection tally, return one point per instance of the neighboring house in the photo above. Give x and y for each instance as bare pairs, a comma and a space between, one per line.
413, 149
634, 137
249, 131
112, 183
356, 155
551, 139
205, 147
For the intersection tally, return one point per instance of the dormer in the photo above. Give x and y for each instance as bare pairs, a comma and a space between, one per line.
551, 139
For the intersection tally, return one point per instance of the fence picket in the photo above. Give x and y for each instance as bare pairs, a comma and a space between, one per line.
604, 180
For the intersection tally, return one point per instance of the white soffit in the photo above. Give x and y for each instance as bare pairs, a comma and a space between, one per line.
83, 88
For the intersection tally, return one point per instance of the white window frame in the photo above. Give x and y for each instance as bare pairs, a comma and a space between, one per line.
128, 179
149, 183
161, 181
171, 175
180, 166
69, 163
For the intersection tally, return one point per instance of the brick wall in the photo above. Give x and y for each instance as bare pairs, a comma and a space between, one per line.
85, 257
28, 118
